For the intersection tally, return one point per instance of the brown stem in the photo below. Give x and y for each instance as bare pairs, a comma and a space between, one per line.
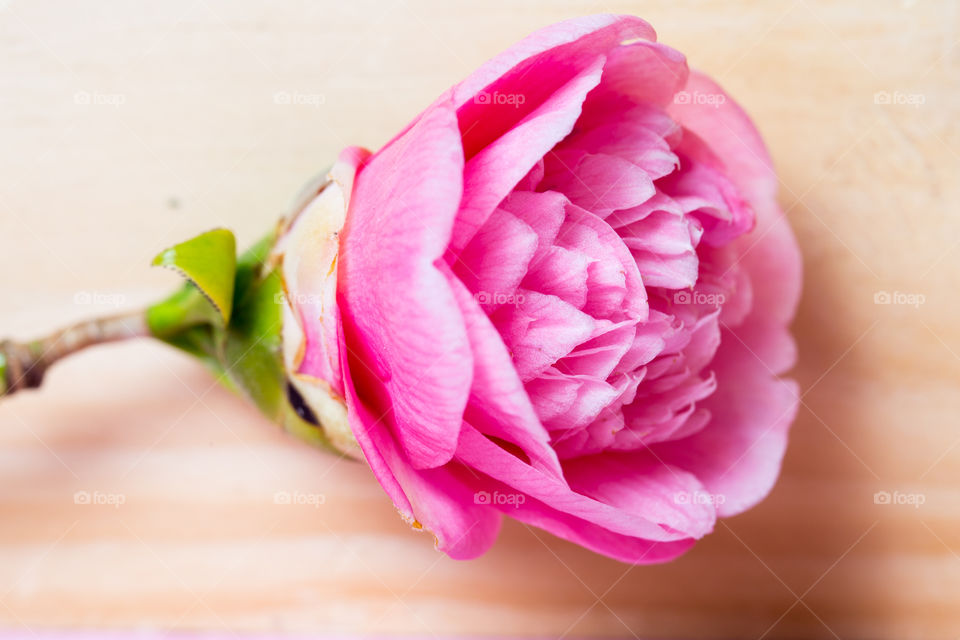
23, 364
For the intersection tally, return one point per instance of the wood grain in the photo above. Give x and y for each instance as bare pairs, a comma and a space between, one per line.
127, 126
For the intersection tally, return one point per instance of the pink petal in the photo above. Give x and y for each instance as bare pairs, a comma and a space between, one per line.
534, 67
562, 273
544, 212
738, 454
630, 141
497, 168
399, 314
701, 186
566, 401
497, 259
615, 286
646, 72
631, 494
540, 330
433, 499
732, 136
499, 405
670, 272
600, 355
597, 182
658, 202
587, 534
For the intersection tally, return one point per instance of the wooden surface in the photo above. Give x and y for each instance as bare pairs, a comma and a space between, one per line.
128, 125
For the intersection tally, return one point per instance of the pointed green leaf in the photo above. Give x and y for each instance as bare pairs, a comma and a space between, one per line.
246, 352
209, 261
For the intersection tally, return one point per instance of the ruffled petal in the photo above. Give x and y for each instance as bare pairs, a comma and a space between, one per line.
738, 455
493, 171
499, 406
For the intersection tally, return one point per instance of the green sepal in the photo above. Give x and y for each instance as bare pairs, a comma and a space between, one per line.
252, 348
3, 374
209, 261
244, 347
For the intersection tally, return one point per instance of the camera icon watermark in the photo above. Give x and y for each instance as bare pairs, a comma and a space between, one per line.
95, 98
99, 299
497, 98
497, 298
99, 498
698, 297
699, 497
297, 98
499, 499
298, 299
299, 498
899, 298
700, 98
915, 100
916, 500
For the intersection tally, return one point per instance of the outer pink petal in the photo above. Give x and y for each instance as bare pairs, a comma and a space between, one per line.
587, 534
636, 496
431, 498
399, 315
732, 136
569, 42
739, 454
577, 37
644, 71
584, 532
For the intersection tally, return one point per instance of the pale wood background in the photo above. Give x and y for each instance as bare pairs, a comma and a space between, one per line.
89, 192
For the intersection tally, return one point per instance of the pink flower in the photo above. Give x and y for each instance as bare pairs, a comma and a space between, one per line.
562, 294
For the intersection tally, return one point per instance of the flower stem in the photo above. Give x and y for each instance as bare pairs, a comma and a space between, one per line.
23, 364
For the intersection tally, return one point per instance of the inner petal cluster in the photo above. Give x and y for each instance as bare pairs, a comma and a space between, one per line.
606, 273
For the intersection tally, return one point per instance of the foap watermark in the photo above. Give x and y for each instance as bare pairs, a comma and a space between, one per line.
99, 299
899, 498
698, 297
498, 298
699, 497
699, 97
299, 498
95, 98
899, 98
499, 499
900, 298
299, 299
497, 98
99, 498
297, 98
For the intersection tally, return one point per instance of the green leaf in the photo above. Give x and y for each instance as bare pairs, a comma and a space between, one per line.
209, 262
245, 351
3, 374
